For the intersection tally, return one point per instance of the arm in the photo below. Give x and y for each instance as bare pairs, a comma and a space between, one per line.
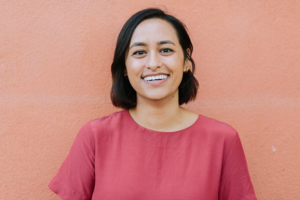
75, 178
235, 181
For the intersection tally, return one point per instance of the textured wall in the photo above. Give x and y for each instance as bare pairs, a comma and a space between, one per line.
54, 76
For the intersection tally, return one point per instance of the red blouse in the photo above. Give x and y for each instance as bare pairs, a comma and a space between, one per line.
114, 158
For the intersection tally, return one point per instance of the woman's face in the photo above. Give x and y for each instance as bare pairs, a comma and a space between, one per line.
155, 60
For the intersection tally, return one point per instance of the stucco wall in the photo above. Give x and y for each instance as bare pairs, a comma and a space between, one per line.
55, 61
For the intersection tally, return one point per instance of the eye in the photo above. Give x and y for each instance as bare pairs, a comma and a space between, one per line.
166, 50
139, 53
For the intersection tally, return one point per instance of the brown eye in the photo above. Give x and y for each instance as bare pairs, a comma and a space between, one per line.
166, 50
139, 53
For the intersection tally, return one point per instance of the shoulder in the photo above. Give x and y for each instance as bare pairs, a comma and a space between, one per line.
98, 125
108, 120
217, 129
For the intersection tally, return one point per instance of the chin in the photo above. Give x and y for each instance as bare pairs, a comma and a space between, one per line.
156, 97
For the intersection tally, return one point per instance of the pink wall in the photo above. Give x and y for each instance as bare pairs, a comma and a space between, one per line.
55, 75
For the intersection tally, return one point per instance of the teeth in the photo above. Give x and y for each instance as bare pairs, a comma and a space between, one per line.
154, 78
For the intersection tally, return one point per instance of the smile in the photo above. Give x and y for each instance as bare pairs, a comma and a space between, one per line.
155, 78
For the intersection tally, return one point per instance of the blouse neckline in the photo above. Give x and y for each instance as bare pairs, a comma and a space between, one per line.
161, 132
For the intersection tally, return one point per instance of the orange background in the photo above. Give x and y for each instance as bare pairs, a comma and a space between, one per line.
55, 61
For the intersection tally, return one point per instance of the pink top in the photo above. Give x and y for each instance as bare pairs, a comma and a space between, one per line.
114, 158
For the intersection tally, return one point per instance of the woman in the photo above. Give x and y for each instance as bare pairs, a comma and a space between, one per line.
154, 149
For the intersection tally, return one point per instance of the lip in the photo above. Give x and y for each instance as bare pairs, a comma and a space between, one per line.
155, 83
144, 76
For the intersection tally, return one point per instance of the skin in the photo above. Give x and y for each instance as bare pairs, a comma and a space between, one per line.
155, 49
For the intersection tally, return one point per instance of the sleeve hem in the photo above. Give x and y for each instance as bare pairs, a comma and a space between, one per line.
63, 191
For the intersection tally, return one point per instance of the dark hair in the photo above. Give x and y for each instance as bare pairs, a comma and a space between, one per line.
122, 93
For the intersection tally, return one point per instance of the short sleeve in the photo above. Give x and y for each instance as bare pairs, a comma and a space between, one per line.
235, 181
76, 177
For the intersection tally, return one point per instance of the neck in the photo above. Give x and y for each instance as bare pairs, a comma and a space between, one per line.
160, 115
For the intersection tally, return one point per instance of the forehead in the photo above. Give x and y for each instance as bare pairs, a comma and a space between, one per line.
154, 30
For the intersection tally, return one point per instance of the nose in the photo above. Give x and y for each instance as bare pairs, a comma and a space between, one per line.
153, 61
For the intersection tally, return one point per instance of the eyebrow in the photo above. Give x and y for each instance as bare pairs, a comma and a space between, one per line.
158, 43
138, 44
166, 42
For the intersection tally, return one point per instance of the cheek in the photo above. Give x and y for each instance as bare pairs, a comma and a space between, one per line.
133, 66
133, 73
176, 66
175, 62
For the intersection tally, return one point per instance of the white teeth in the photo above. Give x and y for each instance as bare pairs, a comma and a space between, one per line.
155, 78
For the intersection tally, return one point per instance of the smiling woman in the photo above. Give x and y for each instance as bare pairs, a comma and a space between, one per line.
154, 149
133, 43
155, 62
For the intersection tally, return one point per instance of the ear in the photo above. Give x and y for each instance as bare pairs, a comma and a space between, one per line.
186, 66
186, 62
188, 52
125, 72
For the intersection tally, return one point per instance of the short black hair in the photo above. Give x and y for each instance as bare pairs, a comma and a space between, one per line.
122, 93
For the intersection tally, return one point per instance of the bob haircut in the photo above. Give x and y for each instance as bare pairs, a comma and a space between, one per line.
122, 93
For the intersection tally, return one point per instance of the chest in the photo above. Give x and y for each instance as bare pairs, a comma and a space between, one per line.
182, 169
